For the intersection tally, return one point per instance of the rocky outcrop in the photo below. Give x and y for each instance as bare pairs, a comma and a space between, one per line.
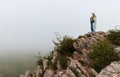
112, 70
85, 43
79, 63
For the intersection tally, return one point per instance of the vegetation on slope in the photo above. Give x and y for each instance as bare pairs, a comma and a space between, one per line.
101, 56
114, 37
103, 53
64, 48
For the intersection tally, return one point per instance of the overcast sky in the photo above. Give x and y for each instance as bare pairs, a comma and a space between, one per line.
29, 25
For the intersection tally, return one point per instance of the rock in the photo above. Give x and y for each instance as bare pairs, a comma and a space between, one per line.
54, 56
45, 64
87, 42
38, 71
58, 65
93, 72
59, 73
117, 50
62, 74
70, 73
65, 73
28, 73
79, 63
77, 68
82, 57
49, 73
77, 55
22, 75
112, 70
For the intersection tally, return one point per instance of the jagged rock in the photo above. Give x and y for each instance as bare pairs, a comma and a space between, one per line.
54, 56
82, 57
28, 73
65, 73
60, 73
49, 73
117, 50
53, 59
93, 72
58, 65
70, 73
77, 55
45, 64
87, 42
76, 67
112, 70
38, 71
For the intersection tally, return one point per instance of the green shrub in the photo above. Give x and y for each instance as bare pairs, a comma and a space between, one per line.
63, 62
39, 59
48, 56
114, 36
65, 46
102, 55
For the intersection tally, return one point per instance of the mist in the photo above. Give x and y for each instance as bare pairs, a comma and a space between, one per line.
29, 25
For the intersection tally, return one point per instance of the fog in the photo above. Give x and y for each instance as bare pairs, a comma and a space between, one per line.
28, 26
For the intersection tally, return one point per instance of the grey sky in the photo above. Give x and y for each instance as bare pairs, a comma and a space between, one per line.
29, 25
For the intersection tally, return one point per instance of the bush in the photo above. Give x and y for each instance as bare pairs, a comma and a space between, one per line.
65, 46
63, 61
102, 55
114, 36
39, 59
48, 56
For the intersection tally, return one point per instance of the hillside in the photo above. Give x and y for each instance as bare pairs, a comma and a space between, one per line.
85, 56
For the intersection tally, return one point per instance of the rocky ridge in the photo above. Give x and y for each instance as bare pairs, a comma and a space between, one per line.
78, 63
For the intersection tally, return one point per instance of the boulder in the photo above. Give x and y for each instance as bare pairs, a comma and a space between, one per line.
112, 70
